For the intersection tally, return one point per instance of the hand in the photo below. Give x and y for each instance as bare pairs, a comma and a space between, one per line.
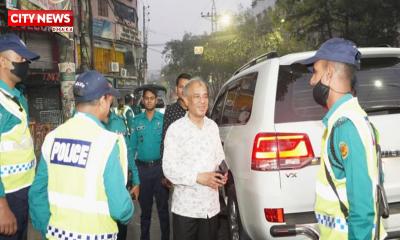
135, 192
166, 182
8, 222
212, 179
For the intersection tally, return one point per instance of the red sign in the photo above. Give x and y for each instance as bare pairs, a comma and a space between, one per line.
40, 18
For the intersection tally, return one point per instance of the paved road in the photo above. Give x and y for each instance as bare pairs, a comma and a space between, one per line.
134, 227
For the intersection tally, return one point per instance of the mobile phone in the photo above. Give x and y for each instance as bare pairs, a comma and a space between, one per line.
222, 168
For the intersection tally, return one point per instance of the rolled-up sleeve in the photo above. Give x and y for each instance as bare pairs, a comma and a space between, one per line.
174, 166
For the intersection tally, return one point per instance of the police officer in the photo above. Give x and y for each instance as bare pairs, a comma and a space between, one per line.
128, 112
17, 158
79, 191
116, 124
345, 204
146, 140
124, 110
136, 106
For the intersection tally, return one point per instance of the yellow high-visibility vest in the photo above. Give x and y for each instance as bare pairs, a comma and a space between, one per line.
331, 220
17, 156
76, 154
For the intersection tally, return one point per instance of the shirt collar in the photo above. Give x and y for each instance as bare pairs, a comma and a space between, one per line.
157, 115
335, 106
92, 117
12, 92
205, 124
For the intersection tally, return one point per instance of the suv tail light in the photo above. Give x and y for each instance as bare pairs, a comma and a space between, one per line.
274, 215
275, 151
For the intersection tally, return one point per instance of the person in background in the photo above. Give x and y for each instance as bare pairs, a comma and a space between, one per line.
17, 157
136, 106
128, 112
116, 124
192, 154
79, 191
174, 112
146, 140
123, 110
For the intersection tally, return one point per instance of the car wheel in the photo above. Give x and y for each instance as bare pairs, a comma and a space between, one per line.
236, 231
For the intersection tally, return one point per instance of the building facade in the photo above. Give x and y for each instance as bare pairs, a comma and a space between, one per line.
116, 45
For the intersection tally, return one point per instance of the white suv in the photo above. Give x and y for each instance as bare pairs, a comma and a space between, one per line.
271, 131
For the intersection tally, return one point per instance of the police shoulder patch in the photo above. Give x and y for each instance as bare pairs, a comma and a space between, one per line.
344, 150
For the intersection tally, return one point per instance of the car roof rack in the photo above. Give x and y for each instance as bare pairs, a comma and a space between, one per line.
256, 60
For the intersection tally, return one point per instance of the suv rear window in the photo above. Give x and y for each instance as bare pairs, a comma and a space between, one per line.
377, 89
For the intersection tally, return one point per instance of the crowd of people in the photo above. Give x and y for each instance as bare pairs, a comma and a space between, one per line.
94, 164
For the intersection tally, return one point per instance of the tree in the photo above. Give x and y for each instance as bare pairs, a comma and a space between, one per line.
291, 26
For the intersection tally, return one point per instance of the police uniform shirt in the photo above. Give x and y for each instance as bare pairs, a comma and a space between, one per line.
146, 136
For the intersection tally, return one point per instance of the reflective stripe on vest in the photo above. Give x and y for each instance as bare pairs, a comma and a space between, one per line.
76, 154
16, 168
8, 146
78, 203
336, 223
330, 218
17, 157
57, 233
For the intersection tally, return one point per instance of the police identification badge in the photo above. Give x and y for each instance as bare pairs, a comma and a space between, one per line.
70, 152
344, 150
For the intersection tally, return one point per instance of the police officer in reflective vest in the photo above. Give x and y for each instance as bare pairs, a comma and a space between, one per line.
346, 196
124, 110
79, 191
17, 158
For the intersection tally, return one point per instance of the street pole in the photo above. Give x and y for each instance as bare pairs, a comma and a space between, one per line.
213, 16
85, 38
144, 73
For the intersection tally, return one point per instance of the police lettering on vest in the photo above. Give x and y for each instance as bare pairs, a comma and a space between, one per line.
70, 152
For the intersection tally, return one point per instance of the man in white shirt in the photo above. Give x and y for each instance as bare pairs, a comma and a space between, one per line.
192, 154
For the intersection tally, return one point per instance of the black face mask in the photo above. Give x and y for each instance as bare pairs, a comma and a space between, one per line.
321, 93
20, 69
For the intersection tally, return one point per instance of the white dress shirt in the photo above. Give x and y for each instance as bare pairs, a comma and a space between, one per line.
188, 151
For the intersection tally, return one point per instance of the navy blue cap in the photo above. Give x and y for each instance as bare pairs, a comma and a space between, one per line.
10, 41
337, 50
92, 85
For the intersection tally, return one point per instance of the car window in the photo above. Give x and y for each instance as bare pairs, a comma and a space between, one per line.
217, 110
377, 88
239, 100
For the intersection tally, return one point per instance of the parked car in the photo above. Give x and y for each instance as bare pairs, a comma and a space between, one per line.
161, 96
266, 111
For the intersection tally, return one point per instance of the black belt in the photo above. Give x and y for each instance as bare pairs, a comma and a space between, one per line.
148, 163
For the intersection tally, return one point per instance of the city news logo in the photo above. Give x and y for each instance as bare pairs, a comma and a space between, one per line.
57, 20
70, 152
